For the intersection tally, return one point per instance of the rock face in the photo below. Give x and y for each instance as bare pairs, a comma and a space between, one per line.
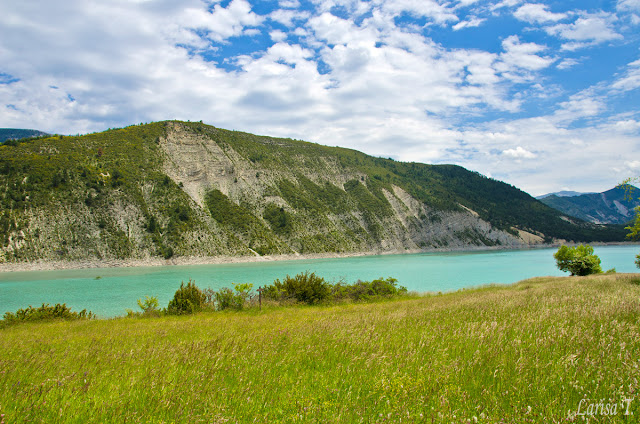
200, 162
187, 189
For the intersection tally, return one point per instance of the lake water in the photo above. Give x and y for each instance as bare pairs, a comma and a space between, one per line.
108, 292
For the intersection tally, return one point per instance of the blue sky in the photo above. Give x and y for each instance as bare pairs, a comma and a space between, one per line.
542, 95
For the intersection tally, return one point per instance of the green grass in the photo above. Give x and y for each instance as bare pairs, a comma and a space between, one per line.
523, 353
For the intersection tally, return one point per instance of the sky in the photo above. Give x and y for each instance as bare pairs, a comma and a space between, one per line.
544, 95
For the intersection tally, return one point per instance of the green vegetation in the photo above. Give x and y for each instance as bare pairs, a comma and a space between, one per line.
45, 312
244, 224
634, 228
226, 298
121, 194
578, 260
530, 352
368, 290
305, 288
188, 299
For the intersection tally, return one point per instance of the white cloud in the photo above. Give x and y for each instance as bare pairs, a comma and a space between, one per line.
506, 3
439, 13
277, 35
537, 13
631, 78
586, 104
629, 5
288, 17
364, 83
519, 153
473, 22
587, 30
520, 61
221, 23
568, 63
289, 4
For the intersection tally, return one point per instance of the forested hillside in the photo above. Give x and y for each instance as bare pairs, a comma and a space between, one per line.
188, 189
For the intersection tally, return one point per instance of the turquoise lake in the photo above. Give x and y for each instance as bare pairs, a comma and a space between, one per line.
108, 292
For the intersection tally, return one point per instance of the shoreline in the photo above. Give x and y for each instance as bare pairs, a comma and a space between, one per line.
42, 265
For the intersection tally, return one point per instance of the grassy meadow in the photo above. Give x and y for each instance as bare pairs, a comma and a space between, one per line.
525, 353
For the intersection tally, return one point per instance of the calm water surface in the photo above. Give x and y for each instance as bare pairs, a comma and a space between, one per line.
109, 292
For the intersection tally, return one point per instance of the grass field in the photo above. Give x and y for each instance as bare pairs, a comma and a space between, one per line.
539, 351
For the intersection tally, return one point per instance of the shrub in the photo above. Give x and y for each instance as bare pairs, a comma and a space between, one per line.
43, 313
225, 298
304, 287
578, 260
149, 306
186, 300
365, 290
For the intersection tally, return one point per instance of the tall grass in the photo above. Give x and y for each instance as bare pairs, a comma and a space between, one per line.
523, 353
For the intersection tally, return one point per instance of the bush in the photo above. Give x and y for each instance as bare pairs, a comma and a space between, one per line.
188, 299
149, 306
43, 313
225, 298
366, 290
304, 287
578, 260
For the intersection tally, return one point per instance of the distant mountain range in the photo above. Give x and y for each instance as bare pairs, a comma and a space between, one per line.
615, 206
17, 133
562, 194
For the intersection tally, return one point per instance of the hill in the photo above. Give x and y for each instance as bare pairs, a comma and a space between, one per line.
561, 194
188, 189
16, 134
613, 206
534, 352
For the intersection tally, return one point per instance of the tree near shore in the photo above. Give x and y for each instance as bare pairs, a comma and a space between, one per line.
634, 230
578, 260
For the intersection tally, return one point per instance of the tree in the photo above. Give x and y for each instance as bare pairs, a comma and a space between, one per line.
634, 230
188, 299
578, 260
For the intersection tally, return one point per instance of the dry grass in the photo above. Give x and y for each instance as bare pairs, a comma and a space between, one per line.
523, 353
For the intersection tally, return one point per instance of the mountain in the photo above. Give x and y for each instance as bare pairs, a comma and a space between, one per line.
16, 134
614, 206
188, 189
561, 194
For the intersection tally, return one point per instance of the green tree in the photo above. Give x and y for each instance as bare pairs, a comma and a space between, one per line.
578, 260
634, 230
186, 300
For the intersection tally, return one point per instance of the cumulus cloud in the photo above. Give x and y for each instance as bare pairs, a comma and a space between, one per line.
519, 153
537, 13
520, 61
221, 23
439, 13
288, 17
587, 30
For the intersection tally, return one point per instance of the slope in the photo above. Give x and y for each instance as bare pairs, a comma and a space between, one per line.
188, 189
613, 206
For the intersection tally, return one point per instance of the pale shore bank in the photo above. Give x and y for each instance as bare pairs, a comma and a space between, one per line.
42, 265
